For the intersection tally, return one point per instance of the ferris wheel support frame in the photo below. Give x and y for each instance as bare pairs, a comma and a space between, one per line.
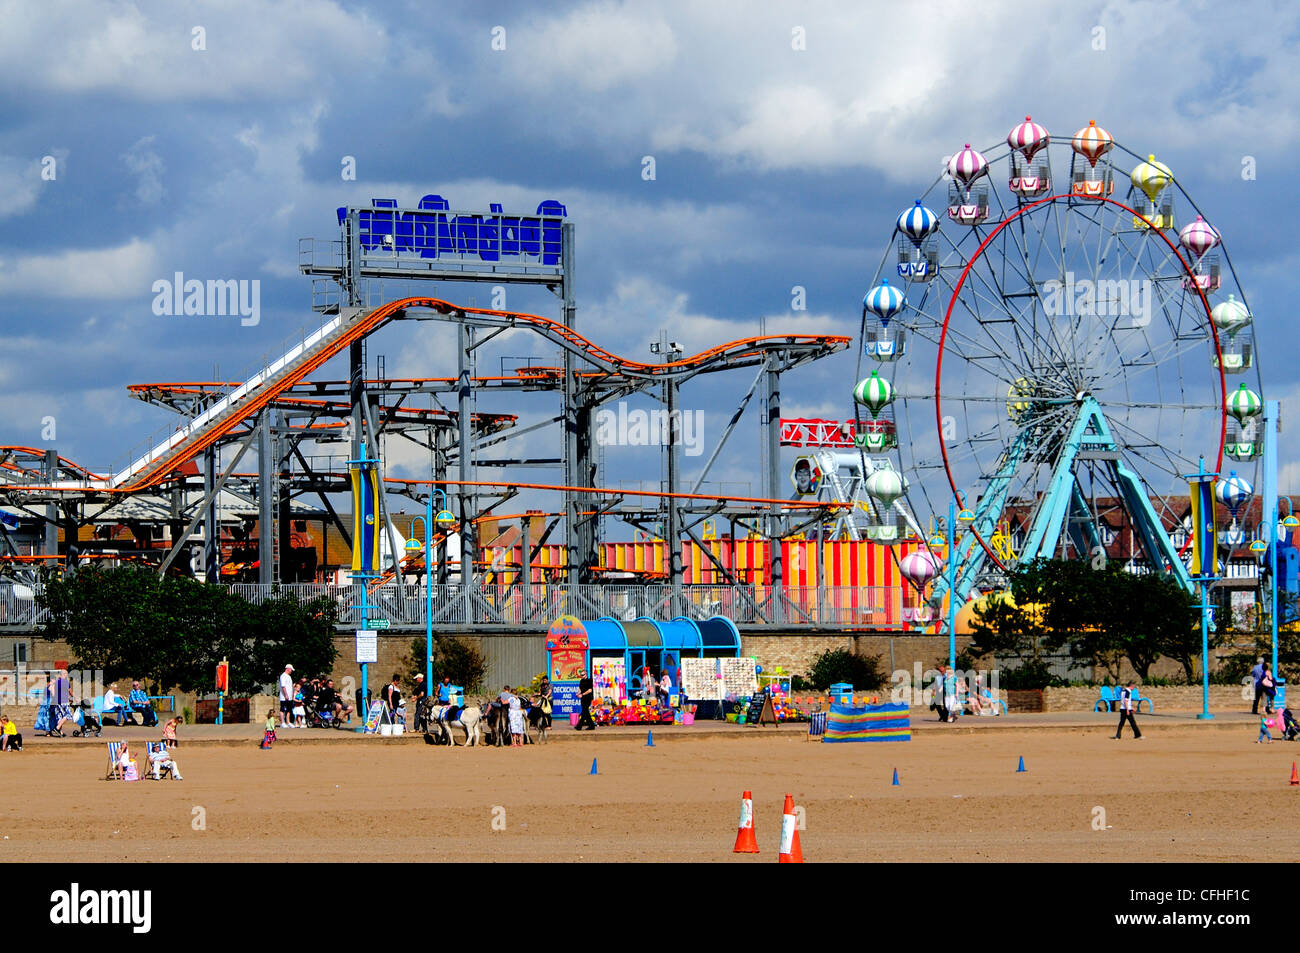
1154, 538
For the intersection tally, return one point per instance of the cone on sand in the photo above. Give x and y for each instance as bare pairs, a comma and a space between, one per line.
1295, 778
1020, 769
895, 781
593, 766
649, 739
745, 841
791, 852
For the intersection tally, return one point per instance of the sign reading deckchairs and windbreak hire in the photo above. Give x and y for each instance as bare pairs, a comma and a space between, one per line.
872, 723
365, 520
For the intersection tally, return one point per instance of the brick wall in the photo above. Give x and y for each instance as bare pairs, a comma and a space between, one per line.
1165, 698
796, 651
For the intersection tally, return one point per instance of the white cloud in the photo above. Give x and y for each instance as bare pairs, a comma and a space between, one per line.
147, 166
20, 185
253, 50
126, 271
596, 47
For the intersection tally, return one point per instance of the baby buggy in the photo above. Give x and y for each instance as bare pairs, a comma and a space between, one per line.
323, 718
88, 725
1290, 727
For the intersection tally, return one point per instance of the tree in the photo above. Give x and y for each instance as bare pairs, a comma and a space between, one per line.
1101, 615
452, 658
172, 631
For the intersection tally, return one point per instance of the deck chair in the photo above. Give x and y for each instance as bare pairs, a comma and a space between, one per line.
114, 765
150, 749
817, 725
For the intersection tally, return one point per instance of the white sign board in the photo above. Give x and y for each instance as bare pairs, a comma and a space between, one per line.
700, 679
367, 646
739, 677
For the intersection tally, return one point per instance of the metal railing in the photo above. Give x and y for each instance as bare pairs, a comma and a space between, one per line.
538, 604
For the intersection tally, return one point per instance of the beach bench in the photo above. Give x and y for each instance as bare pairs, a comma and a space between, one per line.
1108, 699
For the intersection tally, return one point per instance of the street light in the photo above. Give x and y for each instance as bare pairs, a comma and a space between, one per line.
445, 518
966, 518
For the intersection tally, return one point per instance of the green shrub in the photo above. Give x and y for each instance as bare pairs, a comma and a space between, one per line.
1032, 674
840, 665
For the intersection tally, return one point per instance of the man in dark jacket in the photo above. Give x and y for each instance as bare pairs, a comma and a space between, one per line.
586, 690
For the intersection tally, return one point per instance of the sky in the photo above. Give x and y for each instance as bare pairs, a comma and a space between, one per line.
208, 138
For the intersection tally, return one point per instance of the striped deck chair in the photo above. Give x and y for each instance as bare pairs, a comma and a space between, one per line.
817, 725
114, 765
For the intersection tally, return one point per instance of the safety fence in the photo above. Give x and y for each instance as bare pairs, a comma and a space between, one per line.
403, 604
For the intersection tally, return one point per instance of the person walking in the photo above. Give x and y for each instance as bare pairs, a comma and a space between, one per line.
1269, 685
1126, 712
286, 697
586, 691
938, 702
1263, 730
1257, 673
416, 706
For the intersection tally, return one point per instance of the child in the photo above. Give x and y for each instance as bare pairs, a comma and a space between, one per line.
299, 708
268, 738
169, 733
1264, 722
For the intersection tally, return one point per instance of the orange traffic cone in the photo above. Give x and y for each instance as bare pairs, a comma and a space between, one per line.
790, 851
1295, 778
745, 842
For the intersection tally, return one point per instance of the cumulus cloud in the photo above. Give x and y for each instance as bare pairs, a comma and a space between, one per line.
20, 185
125, 271
147, 166
148, 52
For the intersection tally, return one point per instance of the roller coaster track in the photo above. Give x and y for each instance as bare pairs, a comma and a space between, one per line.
222, 416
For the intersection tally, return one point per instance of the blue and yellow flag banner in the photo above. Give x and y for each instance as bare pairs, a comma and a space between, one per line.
365, 520
1205, 551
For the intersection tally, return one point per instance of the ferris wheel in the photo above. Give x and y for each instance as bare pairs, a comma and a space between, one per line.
1057, 355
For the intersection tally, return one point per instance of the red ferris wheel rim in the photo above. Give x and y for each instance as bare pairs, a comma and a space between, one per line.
952, 301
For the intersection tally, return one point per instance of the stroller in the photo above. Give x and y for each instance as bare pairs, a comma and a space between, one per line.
87, 724
1291, 727
322, 718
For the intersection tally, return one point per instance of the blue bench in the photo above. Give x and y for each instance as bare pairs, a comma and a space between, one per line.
1110, 699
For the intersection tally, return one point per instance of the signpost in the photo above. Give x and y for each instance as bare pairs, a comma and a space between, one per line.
566, 650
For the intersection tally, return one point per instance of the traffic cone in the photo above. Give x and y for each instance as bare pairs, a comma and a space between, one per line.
790, 852
1295, 778
593, 766
745, 842
1021, 768
895, 782
649, 739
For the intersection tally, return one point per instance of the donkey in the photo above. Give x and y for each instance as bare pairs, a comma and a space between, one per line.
446, 717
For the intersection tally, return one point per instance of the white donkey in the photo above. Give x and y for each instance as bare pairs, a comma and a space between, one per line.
467, 719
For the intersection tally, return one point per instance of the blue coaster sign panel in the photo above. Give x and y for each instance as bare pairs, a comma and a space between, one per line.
1078, 343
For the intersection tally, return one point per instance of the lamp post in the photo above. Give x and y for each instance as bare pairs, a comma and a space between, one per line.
965, 516
444, 518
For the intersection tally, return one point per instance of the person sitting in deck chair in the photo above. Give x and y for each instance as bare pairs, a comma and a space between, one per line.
161, 761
